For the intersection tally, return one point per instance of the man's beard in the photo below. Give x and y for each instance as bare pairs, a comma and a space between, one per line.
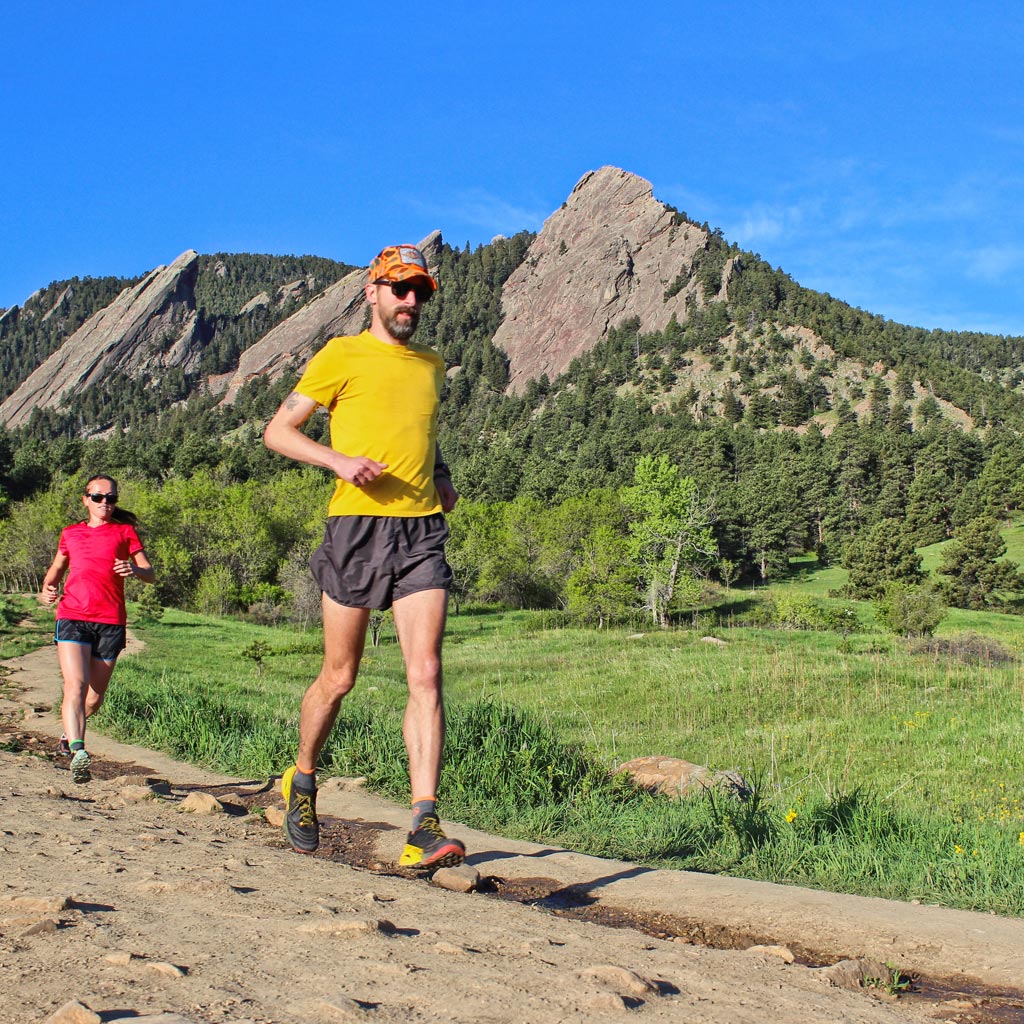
401, 330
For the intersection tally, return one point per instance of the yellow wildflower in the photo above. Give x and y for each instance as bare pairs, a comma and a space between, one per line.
791, 816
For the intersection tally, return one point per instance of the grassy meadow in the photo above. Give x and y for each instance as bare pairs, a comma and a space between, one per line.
879, 767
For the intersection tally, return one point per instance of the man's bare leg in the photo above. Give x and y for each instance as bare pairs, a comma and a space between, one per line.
419, 621
344, 637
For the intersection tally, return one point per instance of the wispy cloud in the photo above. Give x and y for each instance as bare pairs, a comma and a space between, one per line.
893, 245
760, 227
994, 263
483, 210
781, 225
842, 197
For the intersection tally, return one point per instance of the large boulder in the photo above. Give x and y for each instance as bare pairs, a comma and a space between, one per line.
673, 777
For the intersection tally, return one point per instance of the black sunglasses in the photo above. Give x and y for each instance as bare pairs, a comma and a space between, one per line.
110, 499
422, 291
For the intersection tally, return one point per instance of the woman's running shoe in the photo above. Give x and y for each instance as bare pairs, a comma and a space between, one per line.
81, 765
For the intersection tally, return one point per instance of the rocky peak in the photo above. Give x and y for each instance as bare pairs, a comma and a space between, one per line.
612, 251
147, 327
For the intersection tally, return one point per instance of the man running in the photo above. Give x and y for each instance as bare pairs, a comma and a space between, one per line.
384, 541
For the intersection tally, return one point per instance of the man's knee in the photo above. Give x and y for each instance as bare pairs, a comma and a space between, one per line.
334, 683
424, 675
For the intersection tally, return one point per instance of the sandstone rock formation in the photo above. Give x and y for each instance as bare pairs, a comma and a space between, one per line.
262, 299
56, 307
609, 253
339, 309
148, 327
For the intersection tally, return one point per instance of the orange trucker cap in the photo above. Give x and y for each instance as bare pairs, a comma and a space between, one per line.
400, 263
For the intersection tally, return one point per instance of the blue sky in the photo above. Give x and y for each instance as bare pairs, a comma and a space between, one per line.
874, 151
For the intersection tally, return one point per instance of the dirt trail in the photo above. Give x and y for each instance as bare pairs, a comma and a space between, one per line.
115, 895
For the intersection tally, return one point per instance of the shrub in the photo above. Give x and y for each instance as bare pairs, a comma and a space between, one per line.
968, 648
265, 613
148, 606
910, 611
256, 652
793, 611
9, 613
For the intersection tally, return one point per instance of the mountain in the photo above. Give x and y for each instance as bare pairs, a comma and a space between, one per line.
184, 323
647, 298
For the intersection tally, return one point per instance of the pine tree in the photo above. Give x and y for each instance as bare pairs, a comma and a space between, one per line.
977, 575
885, 554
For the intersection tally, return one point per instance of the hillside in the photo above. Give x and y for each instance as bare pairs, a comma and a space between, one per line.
719, 326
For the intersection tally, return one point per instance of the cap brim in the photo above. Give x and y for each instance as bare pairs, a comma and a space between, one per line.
411, 274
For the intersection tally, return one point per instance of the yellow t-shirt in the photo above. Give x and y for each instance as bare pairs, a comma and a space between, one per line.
383, 402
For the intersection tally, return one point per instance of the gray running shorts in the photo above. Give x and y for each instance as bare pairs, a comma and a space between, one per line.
373, 561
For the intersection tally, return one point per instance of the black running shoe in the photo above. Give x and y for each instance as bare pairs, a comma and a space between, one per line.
429, 847
301, 827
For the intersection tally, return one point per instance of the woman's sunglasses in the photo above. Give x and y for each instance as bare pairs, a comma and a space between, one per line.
110, 499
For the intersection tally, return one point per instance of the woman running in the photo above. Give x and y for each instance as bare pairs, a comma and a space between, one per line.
101, 552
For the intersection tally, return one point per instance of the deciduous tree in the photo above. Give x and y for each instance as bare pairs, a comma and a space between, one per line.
670, 531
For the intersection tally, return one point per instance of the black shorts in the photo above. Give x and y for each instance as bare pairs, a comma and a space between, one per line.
106, 640
373, 561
